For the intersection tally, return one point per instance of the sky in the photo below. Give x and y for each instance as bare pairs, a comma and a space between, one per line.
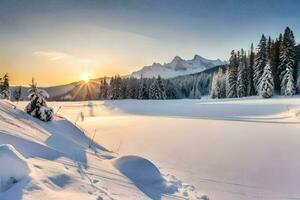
58, 41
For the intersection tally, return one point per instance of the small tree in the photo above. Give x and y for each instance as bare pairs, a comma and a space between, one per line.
5, 92
17, 93
37, 106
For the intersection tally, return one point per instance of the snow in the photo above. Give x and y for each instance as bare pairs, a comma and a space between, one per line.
228, 149
145, 175
13, 167
57, 160
139, 169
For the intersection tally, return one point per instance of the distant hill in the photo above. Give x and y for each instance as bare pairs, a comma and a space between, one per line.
72, 91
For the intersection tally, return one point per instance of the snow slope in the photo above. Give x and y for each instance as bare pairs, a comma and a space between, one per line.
176, 67
56, 160
230, 149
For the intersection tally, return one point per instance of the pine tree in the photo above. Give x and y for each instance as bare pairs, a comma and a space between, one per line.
143, 92
161, 88
231, 76
287, 63
269, 48
116, 87
153, 90
275, 62
250, 66
267, 83
18, 93
260, 62
171, 90
103, 89
287, 83
5, 92
218, 85
242, 76
37, 106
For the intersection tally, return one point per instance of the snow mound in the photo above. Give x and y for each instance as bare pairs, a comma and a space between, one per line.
139, 169
13, 167
145, 175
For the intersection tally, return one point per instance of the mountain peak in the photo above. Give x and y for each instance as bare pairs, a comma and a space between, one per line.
197, 57
177, 66
177, 58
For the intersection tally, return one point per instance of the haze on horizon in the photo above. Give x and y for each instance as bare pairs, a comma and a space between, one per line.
56, 41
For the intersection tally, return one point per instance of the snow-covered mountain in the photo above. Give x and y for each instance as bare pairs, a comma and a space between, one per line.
177, 66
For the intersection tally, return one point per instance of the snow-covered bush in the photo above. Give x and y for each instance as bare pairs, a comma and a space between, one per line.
5, 94
4, 87
37, 106
45, 113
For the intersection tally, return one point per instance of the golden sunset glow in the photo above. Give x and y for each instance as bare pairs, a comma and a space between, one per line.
86, 77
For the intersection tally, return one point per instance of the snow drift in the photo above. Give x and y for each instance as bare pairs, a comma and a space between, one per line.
13, 167
139, 169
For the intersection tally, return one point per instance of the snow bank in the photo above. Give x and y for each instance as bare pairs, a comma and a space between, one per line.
13, 167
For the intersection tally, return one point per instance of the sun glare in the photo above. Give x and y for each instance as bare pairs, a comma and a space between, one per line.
86, 77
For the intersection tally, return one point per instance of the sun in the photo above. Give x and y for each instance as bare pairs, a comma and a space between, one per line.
86, 77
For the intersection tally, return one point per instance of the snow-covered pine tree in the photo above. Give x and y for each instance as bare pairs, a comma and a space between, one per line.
269, 48
275, 62
214, 86
231, 76
260, 62
5, 92
17, 93
153, 90
37, 106
287, 63
242, 76
143, 92
218, 89
116, 89
287, 83
103, 89
161, 88
267, 83
171, 90
250, 65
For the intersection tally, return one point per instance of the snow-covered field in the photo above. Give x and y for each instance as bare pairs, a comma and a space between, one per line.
226, 149
55, 160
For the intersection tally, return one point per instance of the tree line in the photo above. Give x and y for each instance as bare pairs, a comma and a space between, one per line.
271, 69
133, 88
117, 87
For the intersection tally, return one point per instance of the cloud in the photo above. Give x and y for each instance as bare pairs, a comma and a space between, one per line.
57, 55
